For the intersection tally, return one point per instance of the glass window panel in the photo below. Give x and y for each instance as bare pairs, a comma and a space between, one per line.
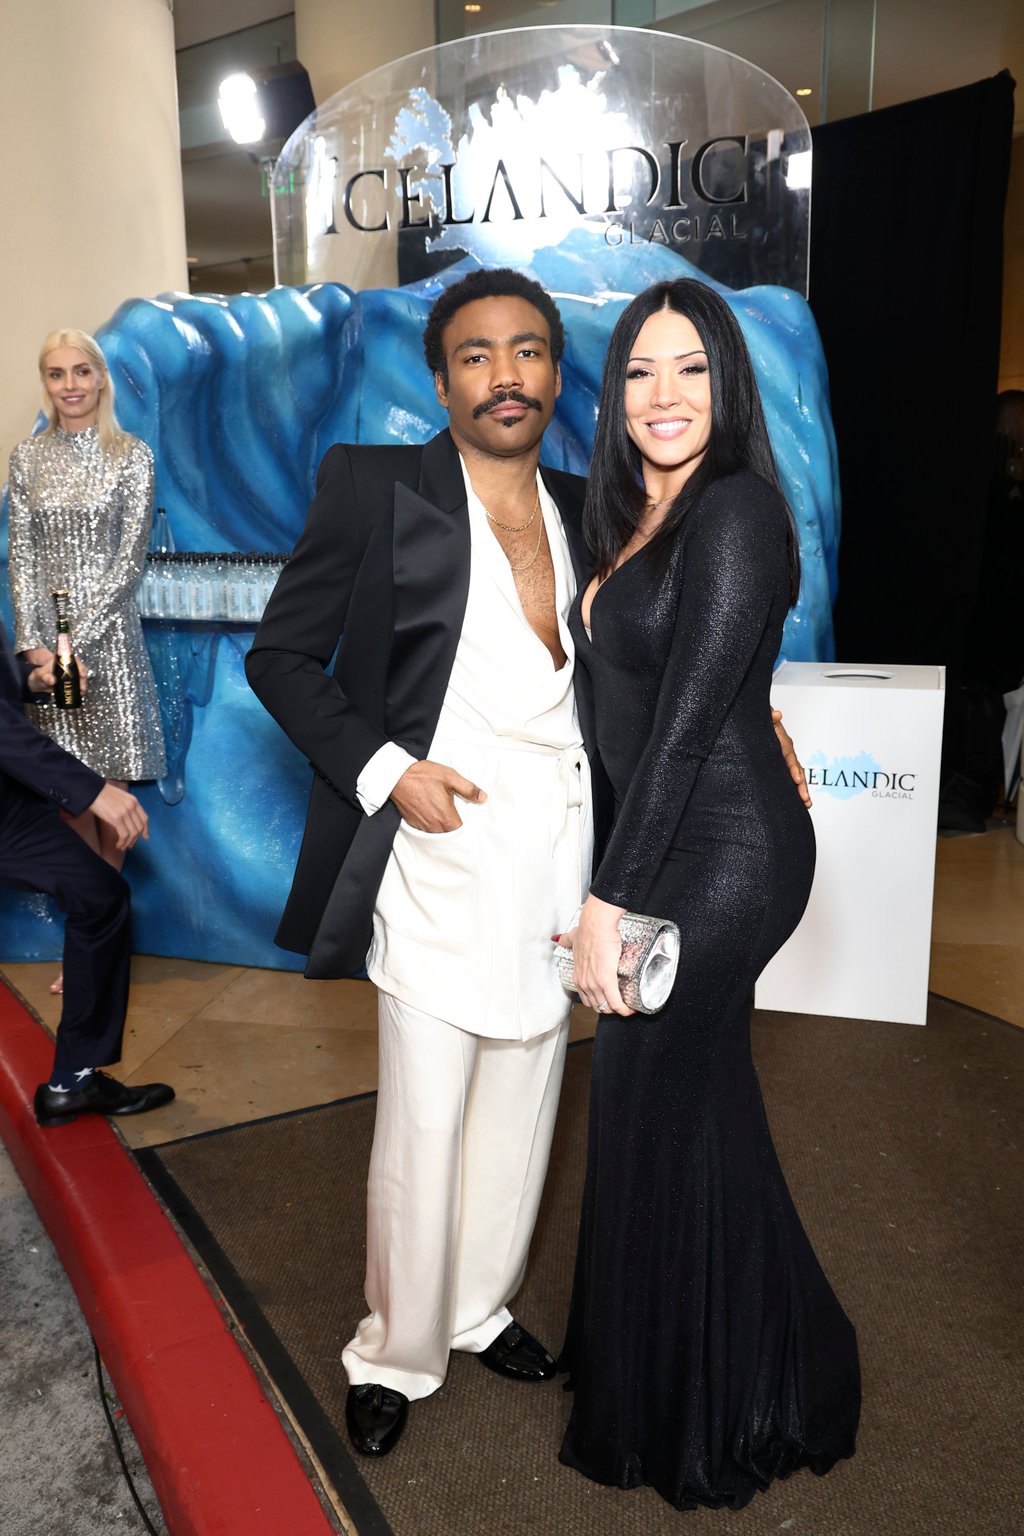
783, 37
227, 211
849, 58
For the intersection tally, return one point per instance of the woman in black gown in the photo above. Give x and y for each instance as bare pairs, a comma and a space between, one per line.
708, 1353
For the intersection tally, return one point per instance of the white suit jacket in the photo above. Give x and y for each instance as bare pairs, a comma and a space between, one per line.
463, 920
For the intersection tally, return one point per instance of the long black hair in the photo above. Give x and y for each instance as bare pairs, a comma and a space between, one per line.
738, 437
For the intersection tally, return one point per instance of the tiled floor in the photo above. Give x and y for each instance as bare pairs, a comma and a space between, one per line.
241, 1044
978, 923
237, 1044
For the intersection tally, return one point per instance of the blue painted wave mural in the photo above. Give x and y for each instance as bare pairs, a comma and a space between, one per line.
239, 398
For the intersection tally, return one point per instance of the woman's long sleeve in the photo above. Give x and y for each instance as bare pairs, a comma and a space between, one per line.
124, 572
735, 558
34, 622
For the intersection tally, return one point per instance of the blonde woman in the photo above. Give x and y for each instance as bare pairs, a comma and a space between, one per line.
81, 495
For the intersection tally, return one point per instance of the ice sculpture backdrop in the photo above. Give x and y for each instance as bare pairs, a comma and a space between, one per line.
239, 398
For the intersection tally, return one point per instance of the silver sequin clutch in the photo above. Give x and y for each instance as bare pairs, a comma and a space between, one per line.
647, 964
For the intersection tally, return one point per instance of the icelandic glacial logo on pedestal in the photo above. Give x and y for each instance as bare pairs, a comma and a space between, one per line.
846, 777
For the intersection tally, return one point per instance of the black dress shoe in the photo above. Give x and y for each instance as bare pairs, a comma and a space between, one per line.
375, 1417
98, 1095
518, 1354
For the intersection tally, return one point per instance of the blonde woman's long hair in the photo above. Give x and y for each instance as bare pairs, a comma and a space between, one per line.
113, 438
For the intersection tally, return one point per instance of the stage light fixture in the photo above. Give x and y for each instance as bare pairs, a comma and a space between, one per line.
266, 104
238, 101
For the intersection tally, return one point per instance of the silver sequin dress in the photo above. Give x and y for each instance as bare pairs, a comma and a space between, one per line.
80, 519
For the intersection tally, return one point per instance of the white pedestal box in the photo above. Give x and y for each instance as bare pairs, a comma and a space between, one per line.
870, 739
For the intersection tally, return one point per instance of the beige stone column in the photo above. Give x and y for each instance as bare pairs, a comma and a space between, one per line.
338, 41
93, 211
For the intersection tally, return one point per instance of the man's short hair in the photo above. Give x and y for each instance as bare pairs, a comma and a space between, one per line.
501, 283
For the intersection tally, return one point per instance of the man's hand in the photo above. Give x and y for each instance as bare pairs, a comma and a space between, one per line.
120, 810
42, 678
425, 795
791, 760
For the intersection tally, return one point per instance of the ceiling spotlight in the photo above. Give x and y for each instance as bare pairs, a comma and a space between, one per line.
266, 104
805, 90
240, 109
472, 9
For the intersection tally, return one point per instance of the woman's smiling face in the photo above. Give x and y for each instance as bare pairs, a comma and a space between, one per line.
73, 385
668, 394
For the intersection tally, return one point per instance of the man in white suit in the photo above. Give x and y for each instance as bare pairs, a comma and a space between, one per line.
450, 828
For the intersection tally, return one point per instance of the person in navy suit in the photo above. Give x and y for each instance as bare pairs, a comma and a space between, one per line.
40, 852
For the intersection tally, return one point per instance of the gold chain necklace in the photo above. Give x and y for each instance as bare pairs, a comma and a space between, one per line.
516, 527
525, 566
649, 507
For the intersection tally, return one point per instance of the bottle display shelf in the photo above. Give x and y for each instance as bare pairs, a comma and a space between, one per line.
198, 586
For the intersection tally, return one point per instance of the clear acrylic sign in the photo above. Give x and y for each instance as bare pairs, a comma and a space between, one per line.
500, 145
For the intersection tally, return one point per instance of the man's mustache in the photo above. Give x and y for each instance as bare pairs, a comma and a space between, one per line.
503, 398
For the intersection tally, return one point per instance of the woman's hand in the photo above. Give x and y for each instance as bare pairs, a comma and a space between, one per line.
596, 946
792, 762
43, 679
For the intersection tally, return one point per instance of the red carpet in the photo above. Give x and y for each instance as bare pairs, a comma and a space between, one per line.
220, 1461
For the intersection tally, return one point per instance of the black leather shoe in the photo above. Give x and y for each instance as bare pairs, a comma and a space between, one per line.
98, 1095
375, 1417
517, 1353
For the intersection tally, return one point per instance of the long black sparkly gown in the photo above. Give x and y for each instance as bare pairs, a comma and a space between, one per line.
708, 1352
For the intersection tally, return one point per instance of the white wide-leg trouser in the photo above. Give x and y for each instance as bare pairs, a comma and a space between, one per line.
460, 1150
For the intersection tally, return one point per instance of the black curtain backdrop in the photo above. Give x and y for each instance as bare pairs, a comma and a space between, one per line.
906, 283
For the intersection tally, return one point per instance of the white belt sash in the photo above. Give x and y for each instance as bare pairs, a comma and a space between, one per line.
464, 919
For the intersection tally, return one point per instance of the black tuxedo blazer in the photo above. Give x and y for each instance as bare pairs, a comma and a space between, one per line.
30, 760
379, 577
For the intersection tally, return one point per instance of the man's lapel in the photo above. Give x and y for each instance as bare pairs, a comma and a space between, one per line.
431, 586
441, 480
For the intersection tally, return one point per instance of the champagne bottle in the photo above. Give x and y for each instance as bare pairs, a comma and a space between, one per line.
67, 689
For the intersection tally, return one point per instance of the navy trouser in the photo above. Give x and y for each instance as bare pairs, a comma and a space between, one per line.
40, 852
